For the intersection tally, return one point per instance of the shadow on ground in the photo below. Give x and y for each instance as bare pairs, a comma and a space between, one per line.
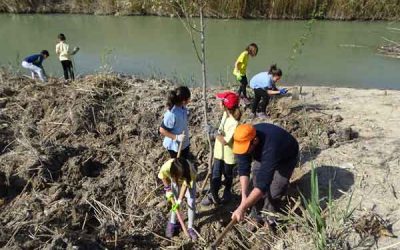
341, 182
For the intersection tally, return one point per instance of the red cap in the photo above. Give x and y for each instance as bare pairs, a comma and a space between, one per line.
229, 99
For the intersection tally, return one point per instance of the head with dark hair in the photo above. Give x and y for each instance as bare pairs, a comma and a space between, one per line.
235, 112
275, 72
61, 37
252, 48
180, 169
178, 97
45, 53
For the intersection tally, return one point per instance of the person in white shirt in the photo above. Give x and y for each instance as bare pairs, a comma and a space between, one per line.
62, 50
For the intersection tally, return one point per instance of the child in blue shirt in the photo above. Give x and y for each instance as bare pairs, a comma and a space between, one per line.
175, 123
34, 64
263, 85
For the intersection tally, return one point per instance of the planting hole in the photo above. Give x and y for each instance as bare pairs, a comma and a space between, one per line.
91, 168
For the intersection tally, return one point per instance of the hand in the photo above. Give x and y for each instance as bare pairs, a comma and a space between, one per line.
221, 139
180, 138
169, 195
238, 214
176, 205
283, 91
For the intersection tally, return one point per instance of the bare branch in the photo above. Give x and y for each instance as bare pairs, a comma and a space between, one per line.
188, 24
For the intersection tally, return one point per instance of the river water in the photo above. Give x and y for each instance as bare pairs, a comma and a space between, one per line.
334, 53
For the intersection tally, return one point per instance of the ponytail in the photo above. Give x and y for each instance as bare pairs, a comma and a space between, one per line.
180, 169
274, 70
172, 99
177, 96
235, 112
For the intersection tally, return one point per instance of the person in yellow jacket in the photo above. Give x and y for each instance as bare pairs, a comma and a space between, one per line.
64, 54
240, 70
224, 160
179, 179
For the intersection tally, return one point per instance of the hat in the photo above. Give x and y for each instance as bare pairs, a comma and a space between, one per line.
229, 99
244, 134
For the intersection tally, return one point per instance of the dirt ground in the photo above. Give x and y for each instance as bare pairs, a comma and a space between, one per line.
79, 162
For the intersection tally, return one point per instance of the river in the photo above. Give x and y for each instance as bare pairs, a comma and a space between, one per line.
334, 54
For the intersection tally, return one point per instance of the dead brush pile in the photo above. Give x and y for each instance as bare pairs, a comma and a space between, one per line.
78, 162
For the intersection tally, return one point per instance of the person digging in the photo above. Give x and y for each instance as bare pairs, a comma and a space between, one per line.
179, 179
274, 153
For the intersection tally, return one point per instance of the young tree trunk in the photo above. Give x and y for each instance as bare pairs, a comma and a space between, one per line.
205, 106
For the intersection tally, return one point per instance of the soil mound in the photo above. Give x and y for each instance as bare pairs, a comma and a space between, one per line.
79, 162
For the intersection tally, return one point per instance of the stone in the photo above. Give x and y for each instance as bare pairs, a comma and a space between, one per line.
337, 118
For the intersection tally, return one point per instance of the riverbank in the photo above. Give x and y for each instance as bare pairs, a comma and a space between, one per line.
262, 9
79, 162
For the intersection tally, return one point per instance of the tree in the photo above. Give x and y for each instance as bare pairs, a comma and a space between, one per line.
185, 15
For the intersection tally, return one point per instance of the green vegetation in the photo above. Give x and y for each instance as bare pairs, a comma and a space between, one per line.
320, 220
269, 9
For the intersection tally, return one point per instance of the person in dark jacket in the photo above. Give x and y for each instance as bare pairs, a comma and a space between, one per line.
274, 153
34, 64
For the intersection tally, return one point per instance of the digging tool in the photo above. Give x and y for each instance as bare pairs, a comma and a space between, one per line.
218, 241
180, 146
183, 187
180, 219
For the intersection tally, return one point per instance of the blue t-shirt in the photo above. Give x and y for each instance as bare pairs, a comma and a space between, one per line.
262, 80
36, 59
176, 121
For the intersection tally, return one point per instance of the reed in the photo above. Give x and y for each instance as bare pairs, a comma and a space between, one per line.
267, 9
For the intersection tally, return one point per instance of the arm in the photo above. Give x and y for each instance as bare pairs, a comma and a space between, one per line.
167, 125
168, 134
183, 191
238, 65
166, 182
58, 49
244, 167
221, 139
246, 203
253, 197
273, 92
244, 185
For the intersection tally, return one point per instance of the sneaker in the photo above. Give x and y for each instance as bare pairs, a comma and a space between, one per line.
192, 234
262, 115
209, 200
171, 229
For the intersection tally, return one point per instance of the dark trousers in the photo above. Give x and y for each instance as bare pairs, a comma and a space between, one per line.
260, 95
221, 168
272, 200
243, 86
184, 154
68, 69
